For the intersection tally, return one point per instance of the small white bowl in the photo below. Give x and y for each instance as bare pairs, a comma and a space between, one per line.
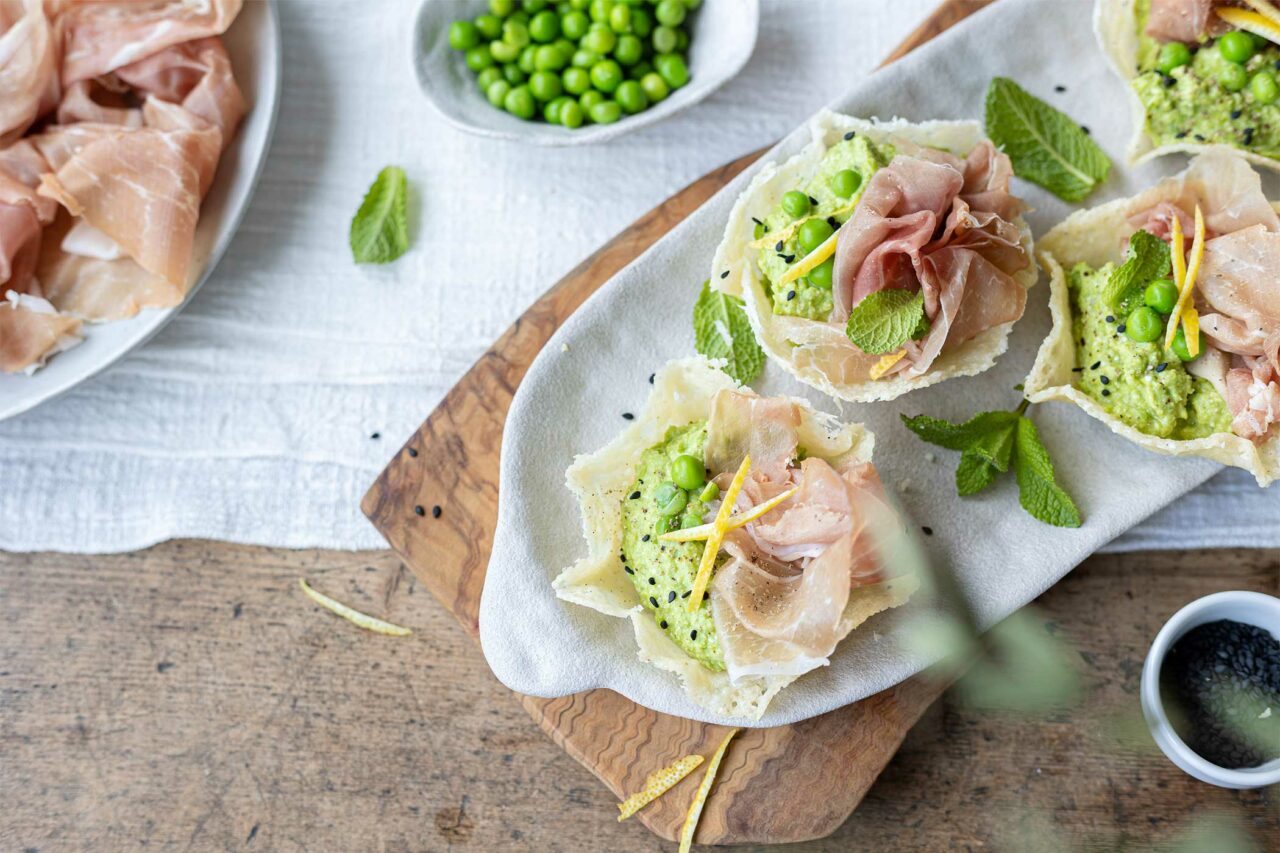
724, 35
1251, 608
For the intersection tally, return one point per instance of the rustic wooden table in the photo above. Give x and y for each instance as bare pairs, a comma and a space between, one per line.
189, 697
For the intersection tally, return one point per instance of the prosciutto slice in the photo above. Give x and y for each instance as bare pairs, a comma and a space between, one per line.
23, 215
31, 330
778, 602
1184, 20
936, 224
28, 67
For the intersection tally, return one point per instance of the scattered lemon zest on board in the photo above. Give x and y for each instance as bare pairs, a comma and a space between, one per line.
886, 363
702, 531
700, 798
785, 234
1187, 285
658, 783
811, 260
364, 620
703, 577
1255, 22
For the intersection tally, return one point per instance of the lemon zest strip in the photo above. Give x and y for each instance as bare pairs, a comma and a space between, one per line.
811, 260
1255, 22
702, 531
703, 577
700, 798
658, 783
1191, 329
785, 234
364, 620
1188, 283
886, 363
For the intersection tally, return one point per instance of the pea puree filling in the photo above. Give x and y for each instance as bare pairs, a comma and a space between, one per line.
663, 572
1212, 93
828, 201
1138, 383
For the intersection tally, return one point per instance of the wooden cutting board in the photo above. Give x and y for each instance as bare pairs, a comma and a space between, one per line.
789, 783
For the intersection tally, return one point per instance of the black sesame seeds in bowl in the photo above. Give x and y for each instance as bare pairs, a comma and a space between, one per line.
1211, 689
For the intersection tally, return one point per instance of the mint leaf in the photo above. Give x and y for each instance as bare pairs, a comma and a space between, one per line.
961, 436
974, 474
1148, 259
885, 320
380, 228
1038, 491
721, 330
1047, 146
996, 445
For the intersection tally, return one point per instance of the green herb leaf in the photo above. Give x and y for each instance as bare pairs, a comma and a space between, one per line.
1148, 259
996, 445
974, 474
885, 320
380, 228
1046, 146
1038, 491
721, 330
965, 435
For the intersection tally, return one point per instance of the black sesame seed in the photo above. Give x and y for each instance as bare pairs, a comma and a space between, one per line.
724, 274
1086, 130
1111, 318
635, 495
651, 375
436, 511
791, 294
756, 221
1248, 136
778, 247
927, 530
1170, 81
833, 222
1121, 328
671, 596
653, 601
1161, 366
1105, 380
629, 570
663, 624
1095, 365
1059, 88
849, 135
685, 594
644, 538
813, 201
1235, 114
693, 635
1182, 134
653, 582
1077, 370
1106, 393
788, 258
376, 436
705, 596
413, 452
419, 510
1199, 138
627, 416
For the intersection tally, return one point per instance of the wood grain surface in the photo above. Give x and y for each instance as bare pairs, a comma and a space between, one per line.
765, 788
189, 697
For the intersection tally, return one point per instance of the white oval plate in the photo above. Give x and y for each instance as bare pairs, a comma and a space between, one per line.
723, 39
254, 44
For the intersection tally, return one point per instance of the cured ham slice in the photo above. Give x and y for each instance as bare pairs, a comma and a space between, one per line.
778, 602
104, 35
195, 75
28, 67
31, 330
1184, 20
942, 226
1253, 394
23, 215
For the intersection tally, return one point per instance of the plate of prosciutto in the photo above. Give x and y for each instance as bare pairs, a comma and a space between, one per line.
131, 138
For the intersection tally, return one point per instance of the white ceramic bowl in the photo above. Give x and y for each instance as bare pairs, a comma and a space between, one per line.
724, 34
1251, 608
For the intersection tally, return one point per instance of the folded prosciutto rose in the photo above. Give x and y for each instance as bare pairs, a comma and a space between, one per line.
743, 536
883, 257
1118, 291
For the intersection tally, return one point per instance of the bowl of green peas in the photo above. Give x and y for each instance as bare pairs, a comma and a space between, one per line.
572, 72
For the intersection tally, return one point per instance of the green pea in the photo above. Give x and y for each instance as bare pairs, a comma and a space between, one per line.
549, 58
795, 203
585, 59
1264, 87
688, 472
497, 92
814, 233
606, 75
589, 99
599, 39
1180, 345
1162, 295
579, 5
515, 33
479, 58
631, 97
641, 23
1236, 46
563, 8
565, 46
845, 183
503, 51
533, 7
654, 86
520, 15
528, 60
555, 107
488, 77
600, 10
620, 19
690, 519
545, 85
606, 112
664, 39
672, 68
502, 8
710, 493
513, 75
1173, 54
488, 26
629, 49
1233, 77
574, 25
545, 26
670, 498
463, 35
520, 102
571, 115
670, 13
1143, 325
640, 69
821, 275
576, 80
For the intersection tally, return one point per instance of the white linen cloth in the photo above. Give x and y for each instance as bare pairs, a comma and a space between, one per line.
251, 417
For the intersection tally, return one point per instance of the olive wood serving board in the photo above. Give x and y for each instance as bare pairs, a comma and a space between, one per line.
784, 784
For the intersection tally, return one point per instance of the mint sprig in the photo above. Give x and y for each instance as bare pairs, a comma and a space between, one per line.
992, 442
721, 330
1148, 259
380, 228
885, 320
1047, 146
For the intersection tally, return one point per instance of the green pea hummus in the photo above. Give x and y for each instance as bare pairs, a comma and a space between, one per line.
810, 301
1128, 378
663, 572
1191, 106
